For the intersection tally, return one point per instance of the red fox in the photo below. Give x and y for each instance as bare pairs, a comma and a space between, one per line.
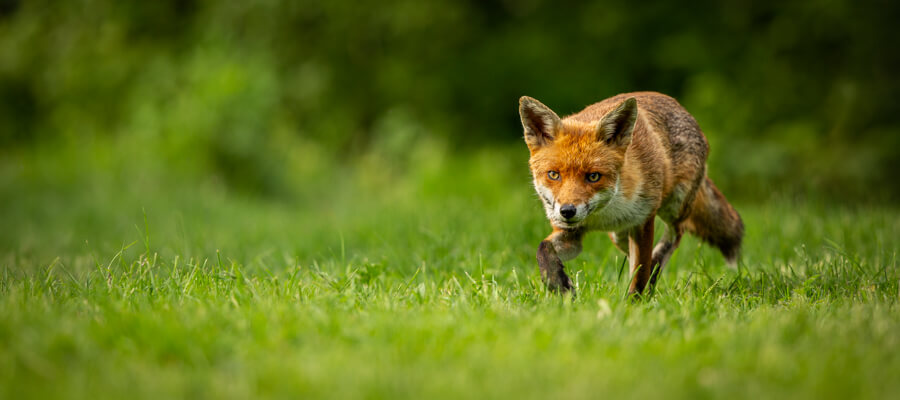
615, 166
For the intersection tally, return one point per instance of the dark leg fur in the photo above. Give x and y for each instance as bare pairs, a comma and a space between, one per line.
664, 249
552, 269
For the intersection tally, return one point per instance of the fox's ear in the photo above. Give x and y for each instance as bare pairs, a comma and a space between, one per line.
539, 121
617, 125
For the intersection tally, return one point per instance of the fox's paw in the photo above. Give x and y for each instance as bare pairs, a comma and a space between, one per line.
559, 283
552, 270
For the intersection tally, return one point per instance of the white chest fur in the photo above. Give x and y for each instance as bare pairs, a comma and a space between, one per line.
620, 212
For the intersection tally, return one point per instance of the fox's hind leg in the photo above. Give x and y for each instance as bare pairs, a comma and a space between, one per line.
667, 244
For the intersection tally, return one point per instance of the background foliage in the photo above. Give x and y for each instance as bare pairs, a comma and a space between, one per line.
283, 199
265, 96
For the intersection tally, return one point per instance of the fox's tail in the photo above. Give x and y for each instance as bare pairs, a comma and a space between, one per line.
715, 221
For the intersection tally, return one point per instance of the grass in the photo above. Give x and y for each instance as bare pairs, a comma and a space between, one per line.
418, 284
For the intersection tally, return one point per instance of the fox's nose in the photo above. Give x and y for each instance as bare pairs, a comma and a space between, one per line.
567, 211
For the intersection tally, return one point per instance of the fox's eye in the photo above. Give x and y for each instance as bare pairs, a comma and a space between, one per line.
553, 175
593, 177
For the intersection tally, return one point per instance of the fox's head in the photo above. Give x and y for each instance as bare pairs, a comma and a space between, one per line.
576, 165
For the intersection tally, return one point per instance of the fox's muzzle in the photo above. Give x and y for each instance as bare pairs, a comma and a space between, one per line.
567, 211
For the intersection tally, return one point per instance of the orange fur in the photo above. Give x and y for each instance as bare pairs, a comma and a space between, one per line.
650, 155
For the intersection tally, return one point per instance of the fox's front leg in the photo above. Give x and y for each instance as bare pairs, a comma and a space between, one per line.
640, 256
561, 245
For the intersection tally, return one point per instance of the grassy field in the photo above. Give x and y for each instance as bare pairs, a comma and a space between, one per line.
119, 282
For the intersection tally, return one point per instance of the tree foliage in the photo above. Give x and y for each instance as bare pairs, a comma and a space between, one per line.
791, 94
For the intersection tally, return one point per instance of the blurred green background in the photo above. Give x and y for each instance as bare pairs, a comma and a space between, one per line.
305, 199
280, 99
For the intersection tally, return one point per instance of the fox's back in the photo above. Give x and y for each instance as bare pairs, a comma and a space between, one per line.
665, 116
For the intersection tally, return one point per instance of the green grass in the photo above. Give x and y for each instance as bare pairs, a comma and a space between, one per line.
422, 283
